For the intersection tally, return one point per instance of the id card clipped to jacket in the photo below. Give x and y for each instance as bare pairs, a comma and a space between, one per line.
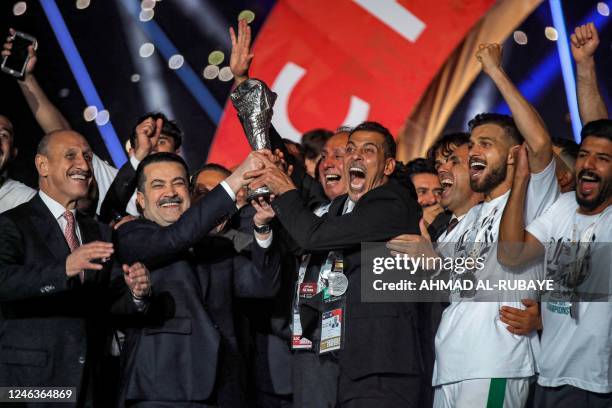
334, 309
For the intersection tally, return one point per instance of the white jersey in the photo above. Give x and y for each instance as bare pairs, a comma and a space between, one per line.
471, 341
576, 351
105, 174
14, 193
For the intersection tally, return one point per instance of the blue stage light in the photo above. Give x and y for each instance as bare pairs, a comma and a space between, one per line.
83, 79
186, 74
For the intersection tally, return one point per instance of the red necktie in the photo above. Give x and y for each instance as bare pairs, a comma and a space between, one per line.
71, 237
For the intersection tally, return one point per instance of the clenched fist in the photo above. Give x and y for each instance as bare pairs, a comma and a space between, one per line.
584, 42
490, 57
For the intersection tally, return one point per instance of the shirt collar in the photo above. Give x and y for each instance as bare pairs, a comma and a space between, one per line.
348, 206
56, 208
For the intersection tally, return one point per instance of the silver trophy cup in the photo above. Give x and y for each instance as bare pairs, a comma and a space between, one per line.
254, 101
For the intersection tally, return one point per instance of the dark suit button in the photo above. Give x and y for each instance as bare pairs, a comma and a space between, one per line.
81, 360
216, 326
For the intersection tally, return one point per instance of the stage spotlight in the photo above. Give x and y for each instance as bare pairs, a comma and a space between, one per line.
211, 72
225, 74
64, 92
19, 8
146, 50
246, 14
176, 61
102, 118
551, 33
216, 57
520, 37
603, 9
82, 4
146, 15
147, 4
90, 113
135, 78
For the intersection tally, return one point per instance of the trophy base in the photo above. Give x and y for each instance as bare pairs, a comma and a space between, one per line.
260, 192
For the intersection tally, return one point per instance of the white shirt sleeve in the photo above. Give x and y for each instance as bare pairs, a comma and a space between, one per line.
542, 191
104, 174
541, 227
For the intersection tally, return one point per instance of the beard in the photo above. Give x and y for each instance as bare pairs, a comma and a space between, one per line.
604, 194
491, 180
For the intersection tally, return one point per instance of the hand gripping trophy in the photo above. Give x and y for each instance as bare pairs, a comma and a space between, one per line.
254, 101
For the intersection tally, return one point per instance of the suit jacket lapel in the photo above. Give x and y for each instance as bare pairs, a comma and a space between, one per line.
48, 229
336, 207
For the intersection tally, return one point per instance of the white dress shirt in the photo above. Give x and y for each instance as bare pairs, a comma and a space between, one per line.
58, 211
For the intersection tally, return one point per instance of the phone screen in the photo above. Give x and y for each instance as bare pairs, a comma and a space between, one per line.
19, 54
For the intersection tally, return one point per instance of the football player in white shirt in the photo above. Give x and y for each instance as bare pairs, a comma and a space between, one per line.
575, 364
479, 362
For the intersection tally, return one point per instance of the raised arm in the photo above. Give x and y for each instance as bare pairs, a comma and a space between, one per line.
527, 119
47, 115
240, 61
584, 42
517, 246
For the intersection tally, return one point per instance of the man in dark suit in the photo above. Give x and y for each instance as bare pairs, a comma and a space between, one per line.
186, 354
56, 287
380, 364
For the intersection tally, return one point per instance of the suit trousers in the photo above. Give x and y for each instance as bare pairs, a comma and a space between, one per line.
315, 380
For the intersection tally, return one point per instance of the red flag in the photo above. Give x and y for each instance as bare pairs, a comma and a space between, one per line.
341, 62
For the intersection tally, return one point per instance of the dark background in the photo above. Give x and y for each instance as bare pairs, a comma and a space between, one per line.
100, 34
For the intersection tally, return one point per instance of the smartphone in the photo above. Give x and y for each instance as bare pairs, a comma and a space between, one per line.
15, 64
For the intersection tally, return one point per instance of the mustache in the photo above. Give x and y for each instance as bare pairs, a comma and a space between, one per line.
170, 200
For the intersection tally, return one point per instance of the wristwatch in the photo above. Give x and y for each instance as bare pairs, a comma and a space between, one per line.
263, 229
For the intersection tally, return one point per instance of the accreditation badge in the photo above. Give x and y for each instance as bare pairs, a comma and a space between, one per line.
332, 326
306, 290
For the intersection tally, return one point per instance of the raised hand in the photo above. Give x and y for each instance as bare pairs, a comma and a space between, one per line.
241, 56
6, 51
147, 134
264, 212
521, 164
584, 42
82, 257
138, 279
490, 57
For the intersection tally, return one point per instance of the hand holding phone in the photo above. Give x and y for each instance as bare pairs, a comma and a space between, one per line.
16, 53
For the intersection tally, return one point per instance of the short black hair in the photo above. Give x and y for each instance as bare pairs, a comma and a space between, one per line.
504, 121
161, 157
313, 142
389, 145
208, 167
420, 166
445, 143
598, 128
169, 128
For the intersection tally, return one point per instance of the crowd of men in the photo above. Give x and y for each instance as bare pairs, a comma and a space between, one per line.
154, 286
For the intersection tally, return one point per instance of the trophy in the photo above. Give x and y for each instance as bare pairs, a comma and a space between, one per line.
254, 101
